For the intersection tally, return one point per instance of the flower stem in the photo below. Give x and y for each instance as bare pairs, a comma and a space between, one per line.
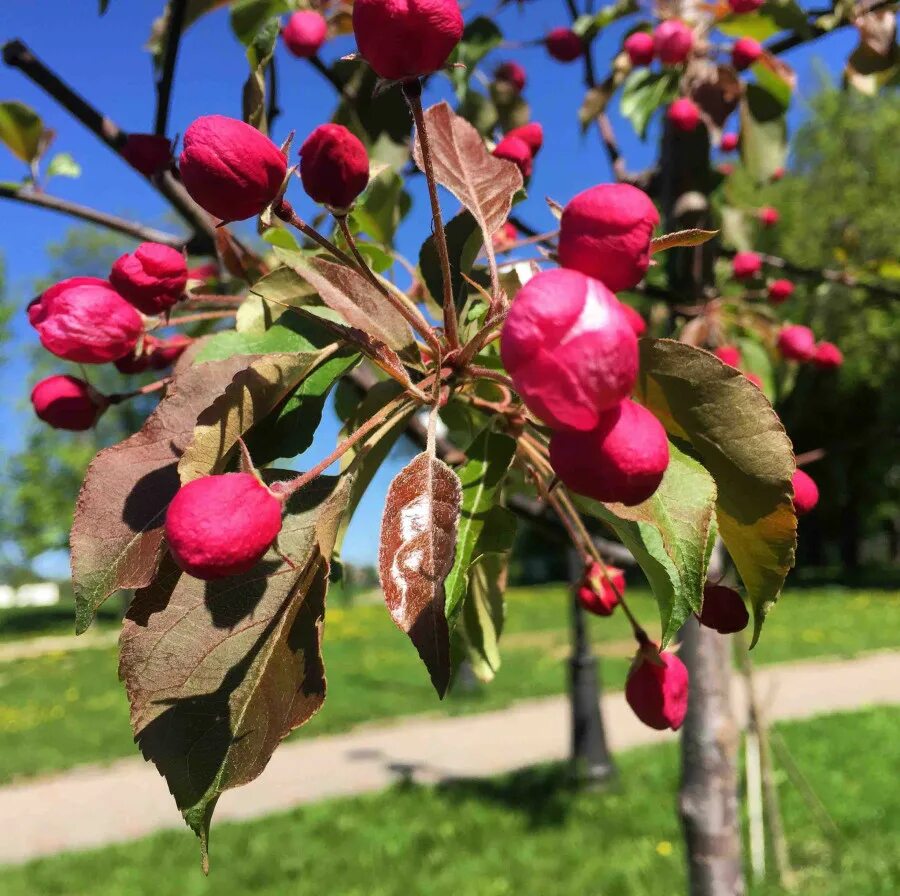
285, 211
155, 386
412, 90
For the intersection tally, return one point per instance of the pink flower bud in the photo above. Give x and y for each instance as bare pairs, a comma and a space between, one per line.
780, 291
334, 166
165, 352
658, 694
147, 153
728, 354
406, 39
640, 48
531, 134
742, 6
638, 324
745, 52
504, 237
511, 73
83, 319
806, 492
723, 610
152, 278
768, 216
746, 265
67, 403
230, 168
220, 526
564, 45
777, 174
622, 460
797, 343
515, 150
729, 142
673, 41
605, 233
569, 349
596, 594
828, 356
305, 33
684, 114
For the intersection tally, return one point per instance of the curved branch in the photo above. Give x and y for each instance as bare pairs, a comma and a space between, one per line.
92, 216
175, 25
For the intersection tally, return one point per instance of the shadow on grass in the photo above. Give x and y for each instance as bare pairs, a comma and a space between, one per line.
21, 622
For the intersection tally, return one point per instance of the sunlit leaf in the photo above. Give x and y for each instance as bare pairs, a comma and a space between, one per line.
643, 92
21, 129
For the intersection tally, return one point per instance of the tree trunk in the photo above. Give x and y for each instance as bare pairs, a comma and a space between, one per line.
708, 800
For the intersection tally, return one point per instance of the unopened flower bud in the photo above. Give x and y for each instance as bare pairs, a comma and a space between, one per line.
67, 403
152, 278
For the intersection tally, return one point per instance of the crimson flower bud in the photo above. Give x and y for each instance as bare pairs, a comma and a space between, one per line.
305, 33
563, 44
638, 324
658, 693
511, 73
67, 403
742, 6
777, 174
780, 291
728, 354
745, 52
334, 166
569, 349
673, 41
640, 47
83, 319
729, 142
621, 461
220, 526
605, 233
596, 594
147, 153
828, 356
165, 352
806, 492
515, 150
797, 343
230, 168
531, 134
723, 610
684, 114
406, 39
768, 216
504, 237
152, 278
746, 265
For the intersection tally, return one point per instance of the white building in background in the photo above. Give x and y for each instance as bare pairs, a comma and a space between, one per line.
39, 594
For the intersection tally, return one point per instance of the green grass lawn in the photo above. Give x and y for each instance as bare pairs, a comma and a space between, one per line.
526, 834
67, 708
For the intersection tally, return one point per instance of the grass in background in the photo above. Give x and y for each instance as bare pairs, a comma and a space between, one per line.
67, 708
525, 833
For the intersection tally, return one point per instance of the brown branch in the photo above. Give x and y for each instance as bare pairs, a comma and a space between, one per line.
273, 110
30, 196
17, 55
174, 26
782, 45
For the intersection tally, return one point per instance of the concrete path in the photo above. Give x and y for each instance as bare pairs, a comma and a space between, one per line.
94, 806
31, 648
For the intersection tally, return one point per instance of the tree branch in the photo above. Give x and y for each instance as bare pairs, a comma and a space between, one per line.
93, 216
174, 27
797, 38
17, 55
273, 110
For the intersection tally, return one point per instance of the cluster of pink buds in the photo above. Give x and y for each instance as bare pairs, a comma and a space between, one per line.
571, 349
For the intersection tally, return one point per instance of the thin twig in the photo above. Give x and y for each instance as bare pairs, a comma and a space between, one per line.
155, 386
412, 90
145, 234
174, 26
273, 110
195, 318
285, 211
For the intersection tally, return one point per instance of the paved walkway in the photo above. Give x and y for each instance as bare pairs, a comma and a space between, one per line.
31, 648
94, 806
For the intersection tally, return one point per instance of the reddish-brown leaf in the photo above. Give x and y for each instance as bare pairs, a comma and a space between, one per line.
418, 546
117, 531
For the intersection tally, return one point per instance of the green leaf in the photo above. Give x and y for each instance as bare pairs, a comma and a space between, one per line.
219, 673
643, 93
763, 132
63, 165
767, 21
741, 441
250, 17
464, 242
382, 207
22, 130
480, 36
489, 457
256, 25
291, 333
670, 535
755, 359
736, 229
247, 400
477, 633
769, 78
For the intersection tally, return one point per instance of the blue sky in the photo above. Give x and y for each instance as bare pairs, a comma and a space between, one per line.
103, 59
